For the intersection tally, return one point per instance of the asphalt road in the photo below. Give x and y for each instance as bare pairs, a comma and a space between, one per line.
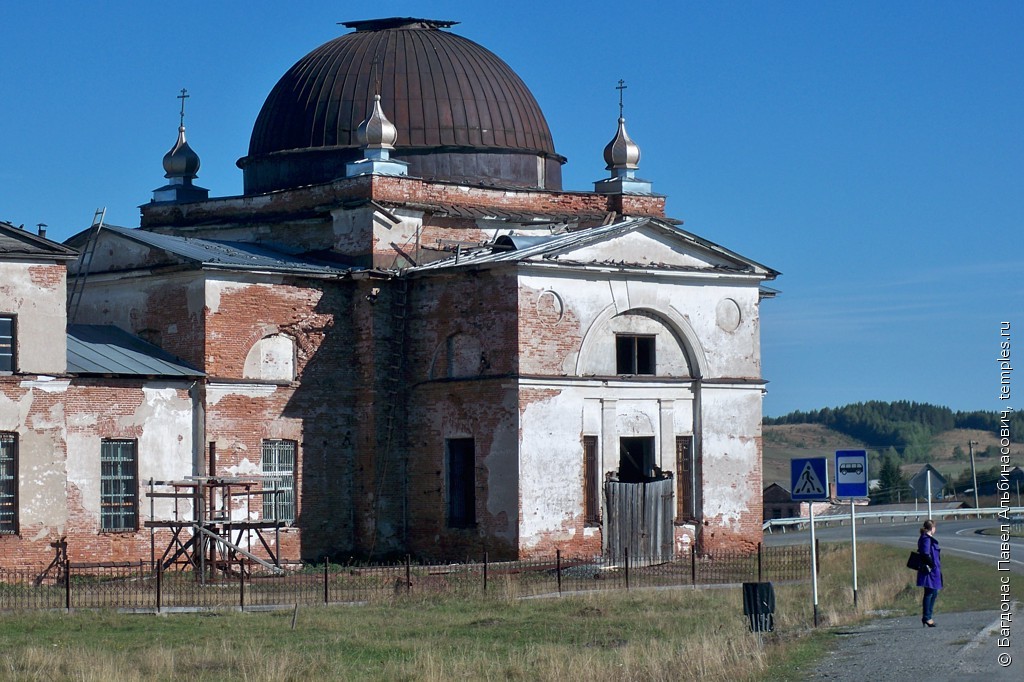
961, 538
963, 646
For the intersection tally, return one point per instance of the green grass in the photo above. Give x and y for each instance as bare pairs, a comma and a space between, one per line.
640, 635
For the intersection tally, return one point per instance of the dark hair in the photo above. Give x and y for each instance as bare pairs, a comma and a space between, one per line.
929, 525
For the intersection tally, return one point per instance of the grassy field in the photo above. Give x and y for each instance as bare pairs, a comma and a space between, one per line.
640, 635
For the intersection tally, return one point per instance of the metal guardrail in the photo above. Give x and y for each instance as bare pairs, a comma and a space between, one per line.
798, 523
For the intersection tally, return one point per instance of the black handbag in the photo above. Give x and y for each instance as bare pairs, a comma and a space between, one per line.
919, 562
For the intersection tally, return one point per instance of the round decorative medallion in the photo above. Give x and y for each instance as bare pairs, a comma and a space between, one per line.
728, 315
549, 307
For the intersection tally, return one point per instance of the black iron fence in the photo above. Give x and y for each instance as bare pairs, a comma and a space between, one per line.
140, 586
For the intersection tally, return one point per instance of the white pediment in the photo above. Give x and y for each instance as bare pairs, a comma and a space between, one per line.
644, 246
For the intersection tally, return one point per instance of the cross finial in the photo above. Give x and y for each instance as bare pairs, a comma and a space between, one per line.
620, 87
183, 96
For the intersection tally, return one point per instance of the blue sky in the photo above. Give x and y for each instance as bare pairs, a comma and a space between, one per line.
871, 151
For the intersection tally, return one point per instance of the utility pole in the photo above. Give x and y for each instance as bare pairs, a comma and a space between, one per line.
974, 475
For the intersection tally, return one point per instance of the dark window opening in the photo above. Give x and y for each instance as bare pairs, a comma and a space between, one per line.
8, 483
591, 482
8, 342
461, 455
636, 459
119, 486
634, 354
686, 479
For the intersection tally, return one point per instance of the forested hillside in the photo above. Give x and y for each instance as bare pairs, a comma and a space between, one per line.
907, 427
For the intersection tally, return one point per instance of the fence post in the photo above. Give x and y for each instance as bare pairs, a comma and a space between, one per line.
759, 579
327, 594
485, 572
408, 574
693, 565
159, 585
558, 568
67, 584
817, 556
241, 587
626, 551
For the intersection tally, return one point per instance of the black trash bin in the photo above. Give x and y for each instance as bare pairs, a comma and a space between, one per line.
759, 606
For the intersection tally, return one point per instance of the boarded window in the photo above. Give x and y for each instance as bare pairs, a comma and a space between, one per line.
7, 343
461, 457
279, 475
8, 483
634, 354
591, 482
119, 485
686, 479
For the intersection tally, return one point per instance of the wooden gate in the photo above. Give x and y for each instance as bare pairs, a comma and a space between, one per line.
638, 518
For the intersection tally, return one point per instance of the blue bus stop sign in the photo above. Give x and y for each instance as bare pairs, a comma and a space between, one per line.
851, 473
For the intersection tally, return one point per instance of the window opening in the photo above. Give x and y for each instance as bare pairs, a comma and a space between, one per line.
591, 482
636, 459
119, 487
7, 343
461, 482
279, 473
8, 483
686, 479
634, 354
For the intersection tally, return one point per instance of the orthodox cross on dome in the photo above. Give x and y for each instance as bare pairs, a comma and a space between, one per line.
620, 87
184, 96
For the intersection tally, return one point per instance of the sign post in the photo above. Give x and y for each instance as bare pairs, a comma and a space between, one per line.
809, 479
852, 482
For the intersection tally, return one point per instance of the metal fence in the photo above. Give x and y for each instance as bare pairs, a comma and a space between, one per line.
139, 586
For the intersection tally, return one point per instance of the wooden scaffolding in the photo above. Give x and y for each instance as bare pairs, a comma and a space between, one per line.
214, 531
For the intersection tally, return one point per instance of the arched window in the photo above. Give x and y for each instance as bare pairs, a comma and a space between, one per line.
272, 358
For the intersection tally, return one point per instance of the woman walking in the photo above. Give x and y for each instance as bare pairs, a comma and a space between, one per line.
929, 576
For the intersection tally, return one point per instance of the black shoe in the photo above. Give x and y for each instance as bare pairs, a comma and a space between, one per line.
928, 623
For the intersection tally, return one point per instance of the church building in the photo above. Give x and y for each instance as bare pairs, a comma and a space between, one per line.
404, 337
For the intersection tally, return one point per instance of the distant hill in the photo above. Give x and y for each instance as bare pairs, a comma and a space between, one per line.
911, 434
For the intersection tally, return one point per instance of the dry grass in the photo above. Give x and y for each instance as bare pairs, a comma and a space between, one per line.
640, 635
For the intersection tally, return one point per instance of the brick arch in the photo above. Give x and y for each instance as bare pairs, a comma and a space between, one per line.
670, 317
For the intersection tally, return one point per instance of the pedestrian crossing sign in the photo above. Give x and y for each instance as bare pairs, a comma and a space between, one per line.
809, 478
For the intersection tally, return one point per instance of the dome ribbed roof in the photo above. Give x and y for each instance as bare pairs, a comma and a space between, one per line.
440, 90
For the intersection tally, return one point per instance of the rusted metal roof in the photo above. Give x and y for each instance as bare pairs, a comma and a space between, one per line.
107, 350
438, 88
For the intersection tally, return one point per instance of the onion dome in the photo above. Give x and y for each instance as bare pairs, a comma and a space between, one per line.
377, 132
181, 161
460, 113
622, 152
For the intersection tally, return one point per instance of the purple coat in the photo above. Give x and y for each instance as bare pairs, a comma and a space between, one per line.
929, 546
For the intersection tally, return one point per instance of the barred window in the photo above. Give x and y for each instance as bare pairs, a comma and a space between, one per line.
687, 477
119, 485
279, 474
7, 343
591, 482
8, 483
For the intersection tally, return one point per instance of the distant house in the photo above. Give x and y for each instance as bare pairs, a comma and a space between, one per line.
779, 504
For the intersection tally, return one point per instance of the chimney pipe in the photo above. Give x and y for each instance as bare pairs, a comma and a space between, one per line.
42, 229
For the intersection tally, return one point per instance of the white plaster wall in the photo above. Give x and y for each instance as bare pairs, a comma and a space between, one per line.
42, 318
163, 422
731, 419
644, 246
551, 449
694, 309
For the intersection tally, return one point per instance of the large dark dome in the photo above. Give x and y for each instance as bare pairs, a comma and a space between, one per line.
461, 113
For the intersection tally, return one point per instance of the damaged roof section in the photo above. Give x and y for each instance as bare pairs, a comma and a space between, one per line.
600, 246
107, 350
18, 243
